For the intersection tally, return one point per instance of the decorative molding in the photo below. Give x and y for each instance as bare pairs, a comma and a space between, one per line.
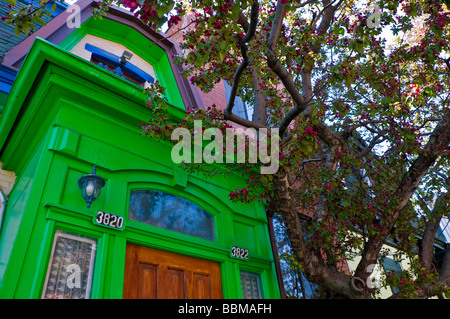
64, 141
180, 176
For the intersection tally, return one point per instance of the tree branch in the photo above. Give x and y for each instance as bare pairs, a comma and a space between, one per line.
444, 276
259, 101
311, 265
287, 119
277, 67
439, 139
426, 251
347, 132
313, 160
250, 32
328, 136
376, 140
246, 60
427, 244
306, 2
446, 61
244, 122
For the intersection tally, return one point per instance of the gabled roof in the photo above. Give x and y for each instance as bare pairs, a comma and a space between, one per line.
57, 30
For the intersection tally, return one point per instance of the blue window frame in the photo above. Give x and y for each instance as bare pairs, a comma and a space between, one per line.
112, 59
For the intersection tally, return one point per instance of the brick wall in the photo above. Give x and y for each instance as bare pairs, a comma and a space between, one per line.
217, 94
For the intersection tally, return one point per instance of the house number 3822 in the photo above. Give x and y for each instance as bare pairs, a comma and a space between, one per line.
238, 252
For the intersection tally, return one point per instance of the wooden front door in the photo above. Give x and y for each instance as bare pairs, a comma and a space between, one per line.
156, 274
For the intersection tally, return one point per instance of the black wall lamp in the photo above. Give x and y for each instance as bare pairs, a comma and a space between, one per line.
90, 185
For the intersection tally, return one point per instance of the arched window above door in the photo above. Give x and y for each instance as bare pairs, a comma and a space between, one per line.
171, 212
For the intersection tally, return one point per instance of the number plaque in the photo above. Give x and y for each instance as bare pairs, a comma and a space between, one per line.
109, 220
238, 252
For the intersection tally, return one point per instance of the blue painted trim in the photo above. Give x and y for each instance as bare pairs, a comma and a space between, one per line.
7, 77
128, 67
5, 88
60, 6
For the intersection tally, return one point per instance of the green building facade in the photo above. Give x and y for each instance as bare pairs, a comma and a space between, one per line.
63, 116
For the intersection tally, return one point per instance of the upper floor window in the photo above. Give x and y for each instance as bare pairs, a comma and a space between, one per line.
240, 108
119, 65
171, 212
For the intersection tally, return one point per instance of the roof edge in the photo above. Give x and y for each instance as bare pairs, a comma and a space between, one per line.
57, 30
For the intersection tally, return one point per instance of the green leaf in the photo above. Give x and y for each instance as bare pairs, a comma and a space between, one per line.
54, 7
162, 21
349, 80
235, 9
40, 21
163, 10
12, 2
198, 59
37, 19
17, 30
220, 56
339, 31
385, 100
359, 46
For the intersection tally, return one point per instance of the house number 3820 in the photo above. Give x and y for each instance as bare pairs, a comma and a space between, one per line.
109, 220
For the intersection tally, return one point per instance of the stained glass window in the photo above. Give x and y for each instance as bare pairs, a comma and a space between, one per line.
251, 285
69, 274
171, 212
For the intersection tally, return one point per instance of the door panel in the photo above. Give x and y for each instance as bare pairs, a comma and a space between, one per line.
202, 286
157, 274
174, 285
148, 274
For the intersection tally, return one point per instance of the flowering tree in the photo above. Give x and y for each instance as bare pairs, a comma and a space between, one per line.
359, 91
